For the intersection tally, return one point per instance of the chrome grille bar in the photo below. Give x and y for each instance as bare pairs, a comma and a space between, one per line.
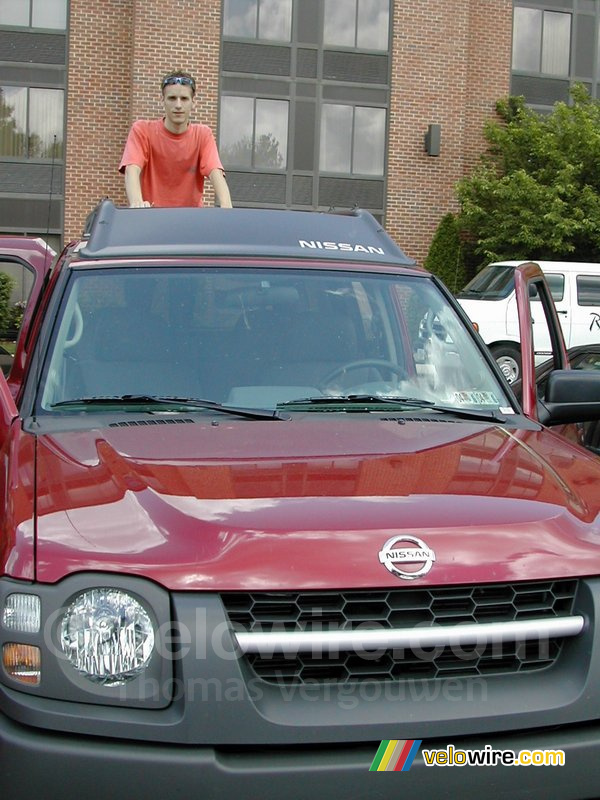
476, 634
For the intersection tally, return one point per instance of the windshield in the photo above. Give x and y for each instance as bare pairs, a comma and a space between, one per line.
257, 338
494, 282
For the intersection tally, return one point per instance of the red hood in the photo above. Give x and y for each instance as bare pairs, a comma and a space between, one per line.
314, 509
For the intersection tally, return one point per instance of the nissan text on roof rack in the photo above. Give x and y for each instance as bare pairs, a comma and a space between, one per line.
268, 501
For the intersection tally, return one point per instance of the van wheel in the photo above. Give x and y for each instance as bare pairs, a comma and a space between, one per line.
509, 360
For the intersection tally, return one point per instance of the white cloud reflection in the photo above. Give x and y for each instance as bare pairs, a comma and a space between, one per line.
365, 26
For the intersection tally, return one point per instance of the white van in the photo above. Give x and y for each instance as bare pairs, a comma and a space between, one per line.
489, 300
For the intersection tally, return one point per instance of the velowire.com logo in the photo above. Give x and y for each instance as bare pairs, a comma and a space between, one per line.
395, 755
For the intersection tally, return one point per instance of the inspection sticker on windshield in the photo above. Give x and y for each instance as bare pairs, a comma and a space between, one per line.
473, 398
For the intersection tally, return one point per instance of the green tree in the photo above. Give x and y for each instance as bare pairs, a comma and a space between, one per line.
536, 192
445, 256
266, 149
6, 286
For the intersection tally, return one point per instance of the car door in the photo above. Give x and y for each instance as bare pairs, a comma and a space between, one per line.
536, 333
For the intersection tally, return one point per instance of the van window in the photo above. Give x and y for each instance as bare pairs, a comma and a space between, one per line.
544, 345
494, 282
556, 283
588, 290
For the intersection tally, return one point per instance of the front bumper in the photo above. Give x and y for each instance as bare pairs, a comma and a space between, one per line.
58, 766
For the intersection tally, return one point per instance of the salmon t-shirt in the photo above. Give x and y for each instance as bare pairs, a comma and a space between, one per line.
173, 165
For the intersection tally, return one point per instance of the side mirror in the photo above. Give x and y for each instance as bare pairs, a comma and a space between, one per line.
571, 396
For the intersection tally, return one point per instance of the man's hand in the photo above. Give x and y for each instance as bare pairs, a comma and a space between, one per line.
133, 187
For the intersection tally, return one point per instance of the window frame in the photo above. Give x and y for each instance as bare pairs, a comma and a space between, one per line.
260, 9
26, 156
541, 43
556, 283
30, 24
581, 288
356, 46
253, 166
353, 140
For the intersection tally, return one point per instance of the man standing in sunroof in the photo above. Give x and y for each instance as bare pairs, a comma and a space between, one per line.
166, 161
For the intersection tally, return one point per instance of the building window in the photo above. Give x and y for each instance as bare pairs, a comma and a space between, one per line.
361, 24
304, 99
258, 19
541, 41
34, 13
31, 122
254, 132
352, 139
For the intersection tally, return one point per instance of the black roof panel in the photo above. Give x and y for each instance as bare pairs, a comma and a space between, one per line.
356, 236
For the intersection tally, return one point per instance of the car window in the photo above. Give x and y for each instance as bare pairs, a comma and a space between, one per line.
544, 345
493, 282
258, 337
556, 283
16, 283
586, 361
588, 290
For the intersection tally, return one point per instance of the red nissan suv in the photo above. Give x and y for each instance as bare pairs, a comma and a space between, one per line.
266, 502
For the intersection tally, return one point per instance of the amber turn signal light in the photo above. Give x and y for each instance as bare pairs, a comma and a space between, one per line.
22, 662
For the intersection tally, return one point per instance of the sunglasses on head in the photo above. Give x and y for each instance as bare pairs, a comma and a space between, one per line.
179, 79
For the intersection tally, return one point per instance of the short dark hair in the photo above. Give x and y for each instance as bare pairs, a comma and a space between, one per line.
178, 77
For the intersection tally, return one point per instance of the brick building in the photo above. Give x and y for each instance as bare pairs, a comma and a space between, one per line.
315, 103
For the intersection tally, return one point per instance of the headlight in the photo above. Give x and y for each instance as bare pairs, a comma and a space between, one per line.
89, 638
107, 635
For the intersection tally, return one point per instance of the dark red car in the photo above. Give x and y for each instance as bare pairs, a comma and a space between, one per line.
266, 502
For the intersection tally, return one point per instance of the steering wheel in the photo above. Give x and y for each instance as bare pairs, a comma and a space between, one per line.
432, 326
364, 363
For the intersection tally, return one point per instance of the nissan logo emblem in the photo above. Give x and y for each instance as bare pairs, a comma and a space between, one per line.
407, 557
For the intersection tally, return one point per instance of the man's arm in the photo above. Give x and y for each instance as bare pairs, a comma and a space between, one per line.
133, 187
217, 178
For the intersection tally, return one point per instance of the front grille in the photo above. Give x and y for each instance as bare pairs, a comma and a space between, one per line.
401, 609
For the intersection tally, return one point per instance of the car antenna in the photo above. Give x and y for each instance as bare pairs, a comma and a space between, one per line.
47, 252
50, 194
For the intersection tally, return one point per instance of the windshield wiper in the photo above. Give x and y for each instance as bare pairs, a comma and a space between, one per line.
414, 402
184, 402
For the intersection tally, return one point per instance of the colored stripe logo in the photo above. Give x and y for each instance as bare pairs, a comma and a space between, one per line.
395, 755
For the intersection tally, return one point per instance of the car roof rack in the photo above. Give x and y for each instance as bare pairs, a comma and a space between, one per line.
353, 236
